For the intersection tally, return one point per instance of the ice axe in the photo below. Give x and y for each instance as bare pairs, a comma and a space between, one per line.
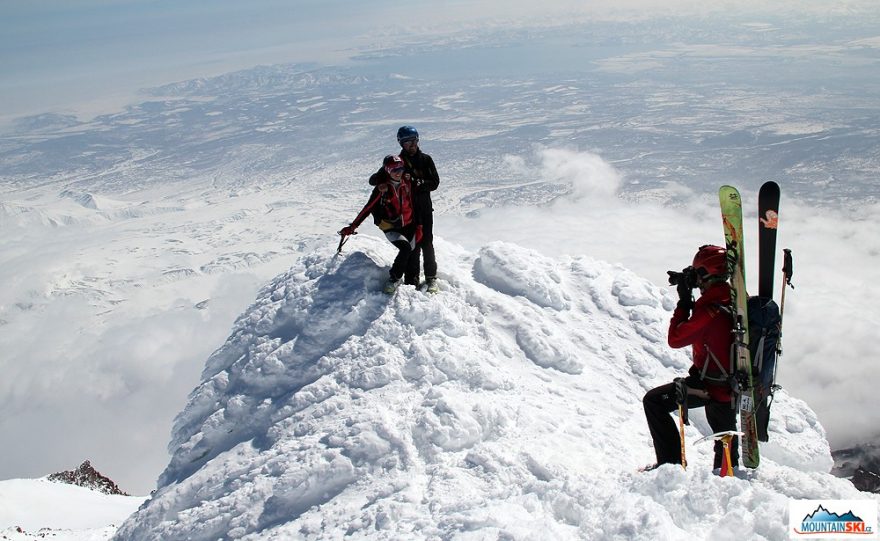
343, 238
681, 392
726, 438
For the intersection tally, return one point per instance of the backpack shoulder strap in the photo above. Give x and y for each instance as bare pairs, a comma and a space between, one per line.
717, 308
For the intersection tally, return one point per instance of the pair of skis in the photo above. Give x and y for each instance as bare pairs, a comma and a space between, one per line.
768, 222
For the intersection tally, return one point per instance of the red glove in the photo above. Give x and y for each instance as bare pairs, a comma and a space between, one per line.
346, 231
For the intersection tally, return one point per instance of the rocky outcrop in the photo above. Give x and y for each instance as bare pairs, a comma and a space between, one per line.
87, 476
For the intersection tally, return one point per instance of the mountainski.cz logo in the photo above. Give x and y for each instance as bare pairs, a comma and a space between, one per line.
818, 519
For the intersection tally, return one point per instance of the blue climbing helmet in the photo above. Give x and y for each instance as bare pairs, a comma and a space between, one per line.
407, 133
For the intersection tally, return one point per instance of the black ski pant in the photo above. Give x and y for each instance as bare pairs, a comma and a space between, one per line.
427, 246
406, 264
660, 401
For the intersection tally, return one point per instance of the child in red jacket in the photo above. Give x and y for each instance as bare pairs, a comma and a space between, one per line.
391, 205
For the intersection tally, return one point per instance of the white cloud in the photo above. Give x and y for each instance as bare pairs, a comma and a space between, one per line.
75, 389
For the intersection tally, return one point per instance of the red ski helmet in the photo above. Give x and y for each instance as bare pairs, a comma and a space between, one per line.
711, 261
393, 163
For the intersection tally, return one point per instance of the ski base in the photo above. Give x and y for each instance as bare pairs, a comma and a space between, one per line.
749, 444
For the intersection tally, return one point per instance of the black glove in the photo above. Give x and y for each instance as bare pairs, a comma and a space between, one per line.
681, 390
685, 298
681, 398
694, 380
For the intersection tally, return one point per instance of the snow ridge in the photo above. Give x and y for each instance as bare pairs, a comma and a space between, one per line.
506, 406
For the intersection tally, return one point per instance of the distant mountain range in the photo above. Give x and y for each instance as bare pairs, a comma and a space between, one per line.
860, 464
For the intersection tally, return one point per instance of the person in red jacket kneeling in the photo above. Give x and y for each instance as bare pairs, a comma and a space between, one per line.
707, 326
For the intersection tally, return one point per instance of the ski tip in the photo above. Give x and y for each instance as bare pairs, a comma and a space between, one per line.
728, 192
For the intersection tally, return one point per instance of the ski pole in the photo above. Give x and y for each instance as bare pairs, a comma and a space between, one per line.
787, 272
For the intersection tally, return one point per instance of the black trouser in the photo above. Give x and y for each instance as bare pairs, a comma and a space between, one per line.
660, 401
426, 249
427, 245
406, 259
406, 264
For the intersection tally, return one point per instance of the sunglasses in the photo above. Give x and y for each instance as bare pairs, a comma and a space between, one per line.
396, 170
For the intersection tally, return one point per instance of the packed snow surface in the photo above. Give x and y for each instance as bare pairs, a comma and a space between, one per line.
507, 406
42, 509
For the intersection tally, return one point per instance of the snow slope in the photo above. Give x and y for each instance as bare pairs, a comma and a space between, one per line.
44, 509
507, 406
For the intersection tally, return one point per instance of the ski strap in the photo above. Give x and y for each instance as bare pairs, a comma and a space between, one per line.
758, 364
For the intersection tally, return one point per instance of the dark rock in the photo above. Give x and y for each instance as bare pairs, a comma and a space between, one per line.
860, 464
866, 481
87, 476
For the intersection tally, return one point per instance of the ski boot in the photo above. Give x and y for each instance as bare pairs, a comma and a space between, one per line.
391, 286
431, 285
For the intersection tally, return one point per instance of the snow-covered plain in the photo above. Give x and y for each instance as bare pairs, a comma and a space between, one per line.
41, 509
508, 406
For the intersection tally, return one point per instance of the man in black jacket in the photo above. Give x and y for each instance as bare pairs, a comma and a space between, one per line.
424, 180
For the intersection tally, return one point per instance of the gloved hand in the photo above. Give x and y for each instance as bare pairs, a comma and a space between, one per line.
346, 231
418, 182
382, 187
685, 297
693, 379
680, 390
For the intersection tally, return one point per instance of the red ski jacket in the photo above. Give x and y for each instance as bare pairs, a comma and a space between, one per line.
709, 330
394, 207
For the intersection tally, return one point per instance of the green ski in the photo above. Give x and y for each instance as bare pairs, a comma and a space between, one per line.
731, 216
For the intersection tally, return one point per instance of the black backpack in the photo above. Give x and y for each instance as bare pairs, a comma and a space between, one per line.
764, 322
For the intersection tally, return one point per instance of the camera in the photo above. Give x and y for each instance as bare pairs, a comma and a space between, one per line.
687, 277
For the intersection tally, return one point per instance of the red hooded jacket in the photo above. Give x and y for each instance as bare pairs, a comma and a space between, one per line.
394, 206
708, 329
